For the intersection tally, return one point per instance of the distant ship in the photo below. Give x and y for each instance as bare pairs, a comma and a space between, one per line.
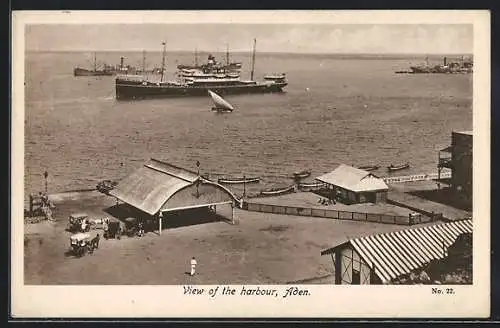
107, 70
445, 68
211, 61
219, 78
78, 71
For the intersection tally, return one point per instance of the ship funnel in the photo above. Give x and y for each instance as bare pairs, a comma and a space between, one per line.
444, 61
121, 62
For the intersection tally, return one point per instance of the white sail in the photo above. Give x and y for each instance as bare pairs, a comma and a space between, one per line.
219, 102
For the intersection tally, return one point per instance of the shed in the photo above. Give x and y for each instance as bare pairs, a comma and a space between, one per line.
383, 258
353, 185
159, 187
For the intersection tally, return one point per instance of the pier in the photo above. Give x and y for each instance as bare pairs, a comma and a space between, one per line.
417, 177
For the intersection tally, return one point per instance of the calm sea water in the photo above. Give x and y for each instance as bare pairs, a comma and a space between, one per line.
335, 110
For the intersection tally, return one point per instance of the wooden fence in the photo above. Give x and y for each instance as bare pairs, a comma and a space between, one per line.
417, 177
332, 214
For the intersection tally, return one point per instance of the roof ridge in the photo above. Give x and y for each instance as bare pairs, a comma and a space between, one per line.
172, 165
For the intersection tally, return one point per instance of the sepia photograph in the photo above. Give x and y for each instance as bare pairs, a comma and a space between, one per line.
261, 157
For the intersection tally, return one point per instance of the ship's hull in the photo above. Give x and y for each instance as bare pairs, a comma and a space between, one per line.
86, 72
127, 91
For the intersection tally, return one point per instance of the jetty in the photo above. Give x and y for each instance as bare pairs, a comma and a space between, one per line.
417, 177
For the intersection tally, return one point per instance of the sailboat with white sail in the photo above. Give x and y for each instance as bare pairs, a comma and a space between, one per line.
220, 105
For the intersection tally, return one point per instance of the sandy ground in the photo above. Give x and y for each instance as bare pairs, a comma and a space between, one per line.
260, 249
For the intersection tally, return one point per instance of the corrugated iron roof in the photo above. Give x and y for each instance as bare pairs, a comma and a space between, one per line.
397, 253
149, 187
354, 179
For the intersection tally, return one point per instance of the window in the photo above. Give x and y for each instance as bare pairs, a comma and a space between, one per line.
356, 277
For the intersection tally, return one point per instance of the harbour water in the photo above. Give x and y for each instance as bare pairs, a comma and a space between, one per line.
336, 109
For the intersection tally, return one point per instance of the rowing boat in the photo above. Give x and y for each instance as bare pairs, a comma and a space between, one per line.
369, 167
238, 180
277, 191
302, 174
392, 168
311, 185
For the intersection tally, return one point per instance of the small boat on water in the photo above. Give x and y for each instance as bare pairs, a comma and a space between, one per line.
392, 168
369, 167
221, 105
301, 174
277, 191
238, 180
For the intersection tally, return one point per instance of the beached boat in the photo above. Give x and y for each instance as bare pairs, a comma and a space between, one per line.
238, 180
392, 168
311, 185
369, 167
277, 191
221, 105
301, 174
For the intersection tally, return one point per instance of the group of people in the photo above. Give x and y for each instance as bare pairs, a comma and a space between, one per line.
325, 201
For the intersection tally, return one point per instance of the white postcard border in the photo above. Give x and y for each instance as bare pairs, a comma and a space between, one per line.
325, 300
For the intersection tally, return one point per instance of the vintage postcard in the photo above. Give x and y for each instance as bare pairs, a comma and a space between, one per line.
251, 164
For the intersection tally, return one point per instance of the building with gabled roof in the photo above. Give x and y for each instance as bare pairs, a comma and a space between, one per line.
353, 185
384, 258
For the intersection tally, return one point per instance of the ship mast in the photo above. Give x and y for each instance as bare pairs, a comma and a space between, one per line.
163, 60
253, 59
95, 62
227, 54
144, 62
196, 56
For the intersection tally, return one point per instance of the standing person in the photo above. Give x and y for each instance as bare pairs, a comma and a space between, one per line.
105, 227
193, 266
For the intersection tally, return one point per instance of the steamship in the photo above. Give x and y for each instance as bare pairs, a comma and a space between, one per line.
197, 80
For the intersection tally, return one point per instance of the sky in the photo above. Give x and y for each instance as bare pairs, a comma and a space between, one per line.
290, 38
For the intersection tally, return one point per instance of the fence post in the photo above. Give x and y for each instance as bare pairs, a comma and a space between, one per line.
352, 215
366, 216
338, 214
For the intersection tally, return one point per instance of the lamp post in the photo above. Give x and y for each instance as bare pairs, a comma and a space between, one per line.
198, 181
244, 185
46, 175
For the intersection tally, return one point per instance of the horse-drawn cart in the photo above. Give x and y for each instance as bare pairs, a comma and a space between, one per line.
80, 244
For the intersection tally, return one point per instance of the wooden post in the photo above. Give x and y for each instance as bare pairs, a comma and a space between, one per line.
232, 213
160, 217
